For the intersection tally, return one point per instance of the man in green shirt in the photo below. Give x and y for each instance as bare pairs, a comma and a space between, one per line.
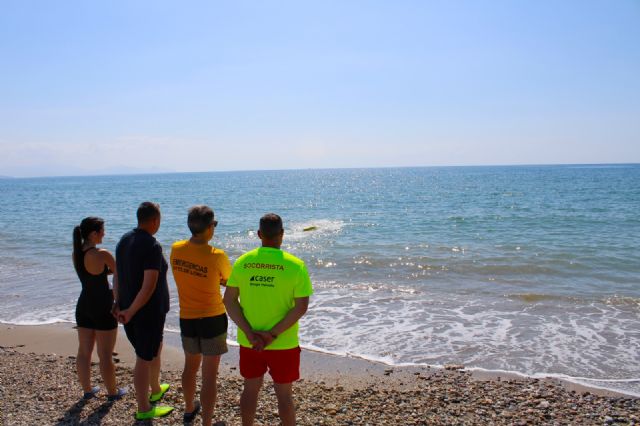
267, 293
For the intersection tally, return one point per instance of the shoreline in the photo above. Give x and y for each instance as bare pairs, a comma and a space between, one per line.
38, 385
345, 370
59, 339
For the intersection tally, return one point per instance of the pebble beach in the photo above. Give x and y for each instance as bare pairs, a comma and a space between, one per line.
38, 386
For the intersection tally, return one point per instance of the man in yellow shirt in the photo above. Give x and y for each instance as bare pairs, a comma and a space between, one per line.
267, 293
199, 269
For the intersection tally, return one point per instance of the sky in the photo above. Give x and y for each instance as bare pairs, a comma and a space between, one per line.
108, 87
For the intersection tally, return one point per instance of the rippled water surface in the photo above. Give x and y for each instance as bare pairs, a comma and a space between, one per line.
527, 269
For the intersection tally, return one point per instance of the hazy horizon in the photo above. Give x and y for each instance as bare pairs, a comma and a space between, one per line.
128, 172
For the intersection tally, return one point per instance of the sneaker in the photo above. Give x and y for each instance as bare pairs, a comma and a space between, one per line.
156, 411
118, 395
155, 397
88, 395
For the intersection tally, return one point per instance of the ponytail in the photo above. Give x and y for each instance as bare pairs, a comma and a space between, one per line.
81, 233
77, 246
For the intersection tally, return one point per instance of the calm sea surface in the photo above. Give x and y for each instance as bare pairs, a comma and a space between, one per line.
528, 269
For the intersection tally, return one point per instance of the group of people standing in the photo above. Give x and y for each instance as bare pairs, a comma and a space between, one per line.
267, 292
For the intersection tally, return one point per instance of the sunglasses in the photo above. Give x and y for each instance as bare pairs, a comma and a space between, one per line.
214, 223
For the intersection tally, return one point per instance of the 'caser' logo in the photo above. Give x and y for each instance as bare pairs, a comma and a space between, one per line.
261, 279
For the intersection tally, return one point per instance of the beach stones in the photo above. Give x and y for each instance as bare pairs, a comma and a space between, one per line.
447, 398
543, 404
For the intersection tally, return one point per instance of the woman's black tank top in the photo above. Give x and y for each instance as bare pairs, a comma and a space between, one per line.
96, 294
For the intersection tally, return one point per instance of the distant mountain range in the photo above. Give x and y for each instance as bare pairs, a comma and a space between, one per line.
49, 171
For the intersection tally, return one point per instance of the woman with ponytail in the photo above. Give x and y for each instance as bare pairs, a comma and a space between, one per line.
94, 317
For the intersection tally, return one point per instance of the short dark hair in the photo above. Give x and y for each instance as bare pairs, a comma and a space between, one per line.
270, 225
199, 219
147, 211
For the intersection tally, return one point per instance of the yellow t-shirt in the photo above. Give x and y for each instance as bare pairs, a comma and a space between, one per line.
197, 270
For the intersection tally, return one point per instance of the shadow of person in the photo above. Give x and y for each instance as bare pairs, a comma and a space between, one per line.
72, 415
98, 414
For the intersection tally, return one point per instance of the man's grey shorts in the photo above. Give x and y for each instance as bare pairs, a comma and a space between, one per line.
205, 346
206, 336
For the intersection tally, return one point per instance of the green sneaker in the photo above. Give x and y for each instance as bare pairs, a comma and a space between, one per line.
156, 411
155, 397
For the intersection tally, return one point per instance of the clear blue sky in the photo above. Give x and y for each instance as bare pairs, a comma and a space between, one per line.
136, 86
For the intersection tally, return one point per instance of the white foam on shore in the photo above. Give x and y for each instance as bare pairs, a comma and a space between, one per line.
37, 322
591, 344
19, 314
587, 344
597, 383
585, 381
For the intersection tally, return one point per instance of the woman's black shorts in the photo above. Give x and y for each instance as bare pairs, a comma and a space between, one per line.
95, 320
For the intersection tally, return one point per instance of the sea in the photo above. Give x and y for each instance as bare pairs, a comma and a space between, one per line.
533, 270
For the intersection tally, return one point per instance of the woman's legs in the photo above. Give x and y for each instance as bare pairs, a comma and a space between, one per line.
106, 342
86, 341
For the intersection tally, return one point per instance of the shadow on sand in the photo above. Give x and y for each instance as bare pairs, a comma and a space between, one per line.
72, 415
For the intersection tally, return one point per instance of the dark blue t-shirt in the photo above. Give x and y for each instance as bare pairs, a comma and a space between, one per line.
137, 251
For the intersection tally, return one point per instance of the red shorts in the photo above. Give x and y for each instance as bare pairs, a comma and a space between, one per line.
283, 364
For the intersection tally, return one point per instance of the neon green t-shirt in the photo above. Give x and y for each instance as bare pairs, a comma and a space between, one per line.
269, 280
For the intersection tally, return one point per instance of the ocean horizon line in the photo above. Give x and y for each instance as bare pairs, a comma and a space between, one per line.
451, 166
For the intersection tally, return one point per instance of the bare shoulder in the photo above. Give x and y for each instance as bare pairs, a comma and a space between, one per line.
104, 254
95, 260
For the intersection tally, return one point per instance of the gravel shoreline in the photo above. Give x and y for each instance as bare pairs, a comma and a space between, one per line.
42, 389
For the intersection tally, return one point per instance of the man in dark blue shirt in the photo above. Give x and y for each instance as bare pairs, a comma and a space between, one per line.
143, 303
